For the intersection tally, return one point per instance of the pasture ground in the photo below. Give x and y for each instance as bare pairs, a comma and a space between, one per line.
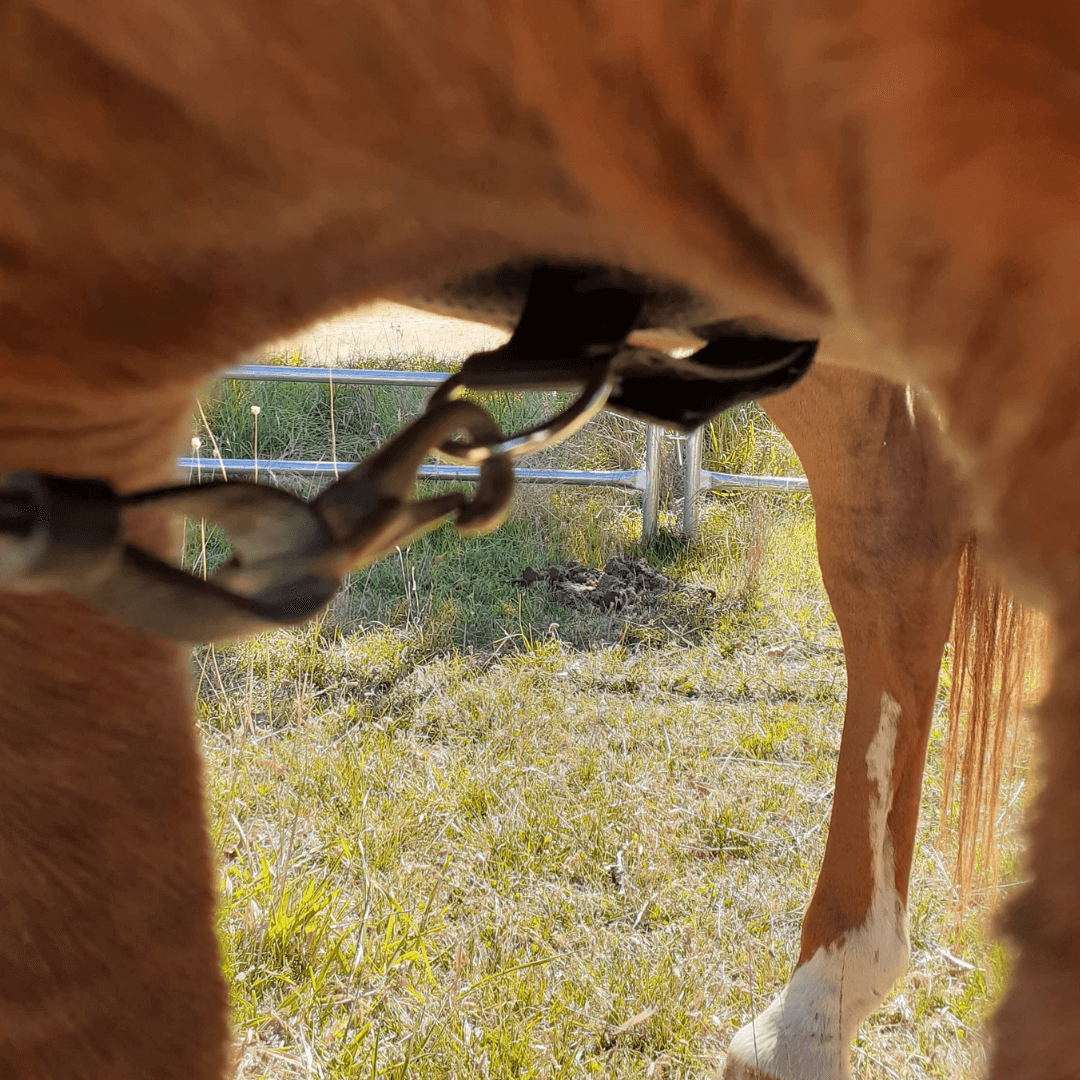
467, 828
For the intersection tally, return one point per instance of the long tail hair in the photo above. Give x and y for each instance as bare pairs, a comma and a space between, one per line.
1000, 658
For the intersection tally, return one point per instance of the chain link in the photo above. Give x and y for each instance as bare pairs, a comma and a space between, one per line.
289, 556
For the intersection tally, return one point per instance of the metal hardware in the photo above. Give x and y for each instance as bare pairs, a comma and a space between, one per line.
289, 556
584, 407
66, 535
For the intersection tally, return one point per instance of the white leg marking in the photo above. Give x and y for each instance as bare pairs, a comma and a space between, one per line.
806, 1033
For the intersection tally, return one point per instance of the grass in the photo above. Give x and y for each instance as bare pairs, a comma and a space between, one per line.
464, 830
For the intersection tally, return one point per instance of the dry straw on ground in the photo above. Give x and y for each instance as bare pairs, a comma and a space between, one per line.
469, 827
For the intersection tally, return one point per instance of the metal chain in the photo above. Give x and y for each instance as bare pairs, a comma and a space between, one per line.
60, 534
289, 556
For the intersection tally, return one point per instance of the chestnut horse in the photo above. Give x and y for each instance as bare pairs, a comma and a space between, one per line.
179, 182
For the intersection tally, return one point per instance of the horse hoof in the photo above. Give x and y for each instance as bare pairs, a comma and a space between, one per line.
776, 1046
734, 1068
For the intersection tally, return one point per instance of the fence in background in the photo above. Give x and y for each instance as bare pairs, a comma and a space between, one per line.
646, 479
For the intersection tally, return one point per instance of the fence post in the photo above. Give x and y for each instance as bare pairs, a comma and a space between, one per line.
650, 492
691, 483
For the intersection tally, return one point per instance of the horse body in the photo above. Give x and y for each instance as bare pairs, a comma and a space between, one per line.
181, 182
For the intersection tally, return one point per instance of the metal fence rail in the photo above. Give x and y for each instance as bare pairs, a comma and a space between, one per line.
697, 480
646, 479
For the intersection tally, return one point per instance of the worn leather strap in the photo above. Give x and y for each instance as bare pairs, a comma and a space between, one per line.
573, 335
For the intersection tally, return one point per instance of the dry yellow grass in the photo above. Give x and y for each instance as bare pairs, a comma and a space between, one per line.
466, 831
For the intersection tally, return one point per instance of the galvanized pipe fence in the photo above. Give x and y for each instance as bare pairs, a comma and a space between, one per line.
646, 479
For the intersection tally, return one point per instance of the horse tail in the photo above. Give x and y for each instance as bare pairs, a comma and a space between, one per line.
1000, 660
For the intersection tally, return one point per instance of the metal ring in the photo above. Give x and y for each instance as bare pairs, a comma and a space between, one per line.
585, 406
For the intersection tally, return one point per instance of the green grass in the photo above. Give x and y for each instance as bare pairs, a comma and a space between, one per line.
466, 831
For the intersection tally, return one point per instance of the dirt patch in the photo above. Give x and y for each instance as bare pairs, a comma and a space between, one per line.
624, 585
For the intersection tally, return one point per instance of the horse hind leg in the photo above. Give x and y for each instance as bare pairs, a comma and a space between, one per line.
890, 524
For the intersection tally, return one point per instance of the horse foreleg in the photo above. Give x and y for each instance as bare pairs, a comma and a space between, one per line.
108, 962
890, 524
